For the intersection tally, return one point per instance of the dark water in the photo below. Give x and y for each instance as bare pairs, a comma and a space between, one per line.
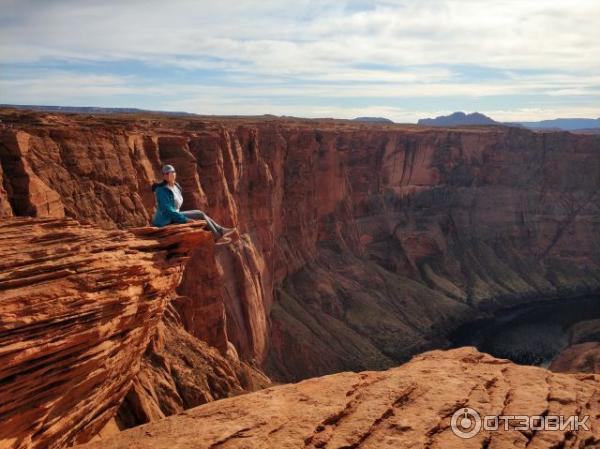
529, 335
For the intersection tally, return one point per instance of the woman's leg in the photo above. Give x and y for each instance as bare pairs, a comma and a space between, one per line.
198, 214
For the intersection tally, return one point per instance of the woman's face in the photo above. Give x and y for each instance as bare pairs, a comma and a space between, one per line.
170, 177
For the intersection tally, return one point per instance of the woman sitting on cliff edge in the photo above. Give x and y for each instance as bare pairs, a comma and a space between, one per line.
168, 201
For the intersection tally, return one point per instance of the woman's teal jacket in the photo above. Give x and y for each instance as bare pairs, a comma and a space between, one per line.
165, 206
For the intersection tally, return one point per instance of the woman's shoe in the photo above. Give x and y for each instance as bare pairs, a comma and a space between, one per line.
224, 235
223, 241
225, 231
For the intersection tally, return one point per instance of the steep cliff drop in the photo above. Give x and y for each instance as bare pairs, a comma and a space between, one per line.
360, 245
78, 308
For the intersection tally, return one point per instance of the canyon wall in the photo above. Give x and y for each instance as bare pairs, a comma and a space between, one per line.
360, 244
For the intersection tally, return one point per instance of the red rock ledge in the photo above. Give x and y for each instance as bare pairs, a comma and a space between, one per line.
78, 306
409, 406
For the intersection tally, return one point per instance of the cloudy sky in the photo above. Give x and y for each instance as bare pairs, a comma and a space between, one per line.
405, 60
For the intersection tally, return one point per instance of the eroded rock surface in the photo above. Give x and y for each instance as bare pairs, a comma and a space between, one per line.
78, 307
578, 358
179, 371
407, 406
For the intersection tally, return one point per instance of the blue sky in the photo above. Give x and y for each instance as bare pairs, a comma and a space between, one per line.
405, 60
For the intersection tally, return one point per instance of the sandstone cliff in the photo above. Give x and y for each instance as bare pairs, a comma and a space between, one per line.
78, 308
361, 244
410, 406
583, 353
578, 358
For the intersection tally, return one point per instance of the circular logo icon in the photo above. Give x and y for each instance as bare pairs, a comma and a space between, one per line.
465, 423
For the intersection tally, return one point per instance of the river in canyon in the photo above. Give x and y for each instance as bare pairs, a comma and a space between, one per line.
535, 333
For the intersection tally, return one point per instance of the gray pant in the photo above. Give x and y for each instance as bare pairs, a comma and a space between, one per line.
212, 224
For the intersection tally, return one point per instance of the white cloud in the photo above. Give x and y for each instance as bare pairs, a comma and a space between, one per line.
65, 88
265, 50
287, 36
207, 105
56, 85
545, 113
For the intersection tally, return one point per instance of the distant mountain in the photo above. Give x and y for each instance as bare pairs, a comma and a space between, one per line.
567, 124
476, 118
373, 119
588, 125
88, 109
458, 118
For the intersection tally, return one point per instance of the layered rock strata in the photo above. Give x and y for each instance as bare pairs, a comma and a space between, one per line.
407, 406
78, 307
361, 244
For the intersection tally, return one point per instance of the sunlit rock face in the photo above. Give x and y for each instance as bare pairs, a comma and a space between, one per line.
411, 405
78, 307
360, 244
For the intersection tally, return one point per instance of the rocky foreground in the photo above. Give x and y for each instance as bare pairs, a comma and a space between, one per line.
410, 406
